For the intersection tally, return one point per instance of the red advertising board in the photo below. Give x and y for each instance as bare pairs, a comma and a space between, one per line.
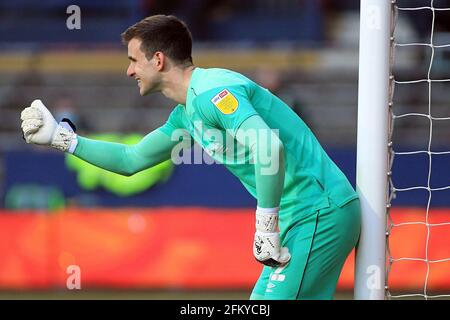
186, 248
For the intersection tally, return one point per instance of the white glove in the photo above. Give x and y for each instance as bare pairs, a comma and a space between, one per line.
266, 246
39, 127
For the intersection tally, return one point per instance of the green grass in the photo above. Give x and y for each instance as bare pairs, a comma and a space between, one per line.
136, 295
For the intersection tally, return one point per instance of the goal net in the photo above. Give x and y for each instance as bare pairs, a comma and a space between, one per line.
403, 172
417, 106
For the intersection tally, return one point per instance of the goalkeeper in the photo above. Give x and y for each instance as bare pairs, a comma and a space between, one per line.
307, 215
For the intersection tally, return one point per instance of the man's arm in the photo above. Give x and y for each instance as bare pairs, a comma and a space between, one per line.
267, 151
127, 160
229, 108
39, 127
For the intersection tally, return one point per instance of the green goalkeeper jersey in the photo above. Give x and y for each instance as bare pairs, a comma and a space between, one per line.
220, 104
223, 109
219, 101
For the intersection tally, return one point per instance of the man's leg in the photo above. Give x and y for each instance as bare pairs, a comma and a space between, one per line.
337, 233
284, 283
319, 246
260, 286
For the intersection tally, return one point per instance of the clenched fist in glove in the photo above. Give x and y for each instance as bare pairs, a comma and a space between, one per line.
39, 127
266, 247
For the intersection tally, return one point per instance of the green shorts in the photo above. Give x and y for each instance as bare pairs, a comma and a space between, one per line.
319, 246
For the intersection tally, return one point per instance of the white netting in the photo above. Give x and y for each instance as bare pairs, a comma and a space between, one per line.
393, 190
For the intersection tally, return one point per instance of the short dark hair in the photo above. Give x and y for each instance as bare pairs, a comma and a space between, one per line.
167, 34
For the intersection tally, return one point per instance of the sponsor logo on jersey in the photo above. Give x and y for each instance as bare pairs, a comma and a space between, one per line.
277, 276
225, 101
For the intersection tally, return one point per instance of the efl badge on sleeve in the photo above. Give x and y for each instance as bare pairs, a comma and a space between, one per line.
225, 102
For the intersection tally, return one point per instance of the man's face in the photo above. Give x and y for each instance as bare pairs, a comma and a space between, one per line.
143, 70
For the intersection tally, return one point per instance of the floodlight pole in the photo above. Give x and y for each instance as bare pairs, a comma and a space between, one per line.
372, 145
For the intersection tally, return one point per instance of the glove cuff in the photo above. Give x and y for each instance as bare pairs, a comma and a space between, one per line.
73, 145
266, 234
267, 219
65, 138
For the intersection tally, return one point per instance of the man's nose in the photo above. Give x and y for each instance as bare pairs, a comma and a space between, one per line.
130, 71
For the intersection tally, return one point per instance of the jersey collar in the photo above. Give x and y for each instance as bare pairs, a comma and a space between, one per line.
191, 92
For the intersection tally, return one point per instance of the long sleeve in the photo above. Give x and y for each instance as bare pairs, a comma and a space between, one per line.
127, 160
236, 113
268, 151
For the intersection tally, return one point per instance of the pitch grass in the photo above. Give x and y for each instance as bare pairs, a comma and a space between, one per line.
98, 294
137, 295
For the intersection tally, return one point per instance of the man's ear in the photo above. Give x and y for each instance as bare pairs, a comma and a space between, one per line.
160, 60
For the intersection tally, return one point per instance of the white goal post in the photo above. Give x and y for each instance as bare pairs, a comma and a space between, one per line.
372, 146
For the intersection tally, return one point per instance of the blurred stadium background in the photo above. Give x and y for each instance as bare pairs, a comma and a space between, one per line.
160, 234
